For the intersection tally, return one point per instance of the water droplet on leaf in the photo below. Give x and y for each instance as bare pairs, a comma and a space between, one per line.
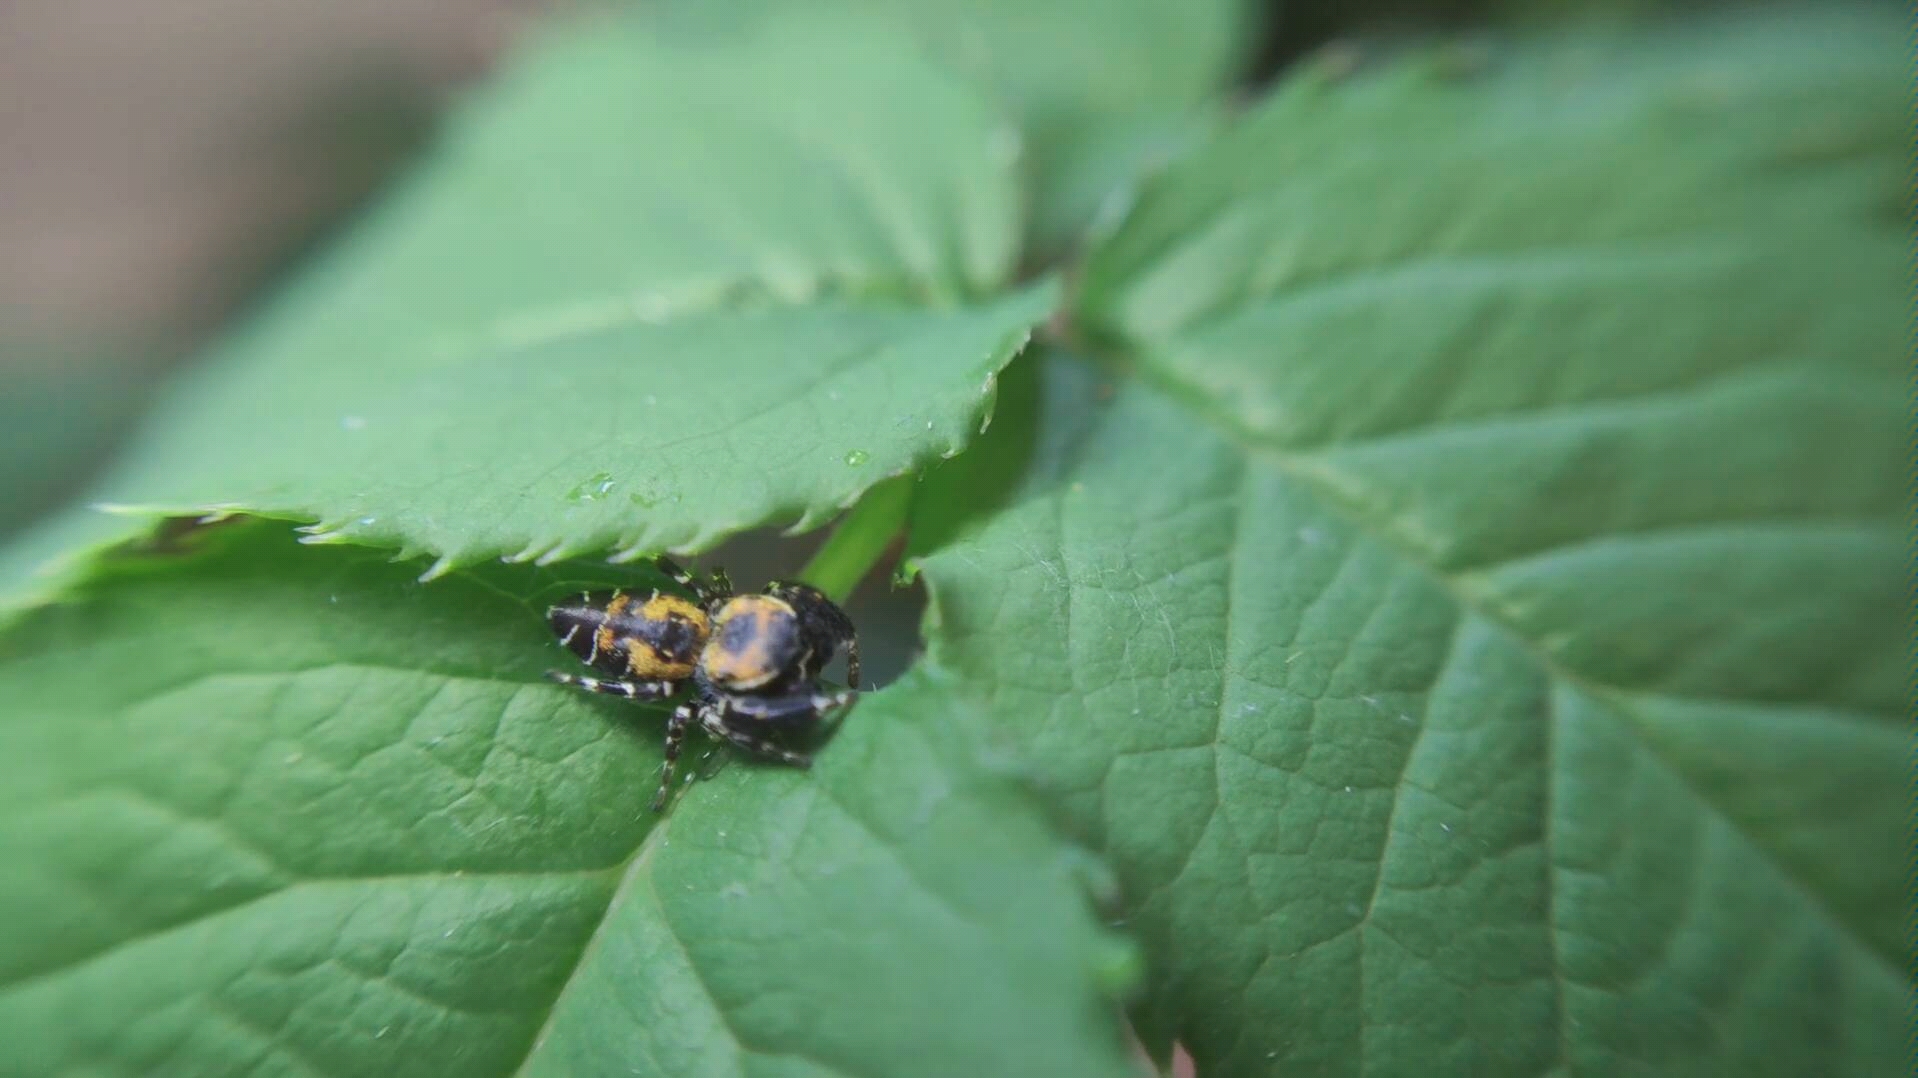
592, 489
857, 457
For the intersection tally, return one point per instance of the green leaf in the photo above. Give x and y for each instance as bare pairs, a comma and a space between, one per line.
1477, 630
1101, 89
651, 290
279, 810
639, 438
47, 555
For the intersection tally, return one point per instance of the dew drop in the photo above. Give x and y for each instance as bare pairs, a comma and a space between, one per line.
857, 457
592, 488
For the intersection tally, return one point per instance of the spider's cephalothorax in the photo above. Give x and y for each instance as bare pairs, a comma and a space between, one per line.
753, 661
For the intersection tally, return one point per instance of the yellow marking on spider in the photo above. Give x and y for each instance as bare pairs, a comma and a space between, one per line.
603, 638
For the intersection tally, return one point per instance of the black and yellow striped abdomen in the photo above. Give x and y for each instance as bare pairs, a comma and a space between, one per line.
656, 637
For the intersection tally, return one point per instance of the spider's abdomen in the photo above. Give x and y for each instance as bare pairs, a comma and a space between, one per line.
755, 640
658, 637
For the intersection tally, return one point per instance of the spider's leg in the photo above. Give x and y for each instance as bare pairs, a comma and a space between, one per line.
682, 717
676, 572
715, 589
852, 661
784, 712
713, 719
631, 690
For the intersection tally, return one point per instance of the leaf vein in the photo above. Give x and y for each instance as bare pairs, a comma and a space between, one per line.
1616, 698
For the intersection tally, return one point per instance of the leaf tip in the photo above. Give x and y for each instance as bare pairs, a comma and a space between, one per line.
444, 565
525, 554
559, 552
628, 554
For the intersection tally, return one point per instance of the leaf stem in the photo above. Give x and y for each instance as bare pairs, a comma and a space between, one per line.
860, 539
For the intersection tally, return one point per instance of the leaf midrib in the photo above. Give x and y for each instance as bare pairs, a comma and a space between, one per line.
631, 872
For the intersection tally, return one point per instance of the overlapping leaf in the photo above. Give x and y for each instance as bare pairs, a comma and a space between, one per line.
652, 288
640, 438
1477, 624
280, 810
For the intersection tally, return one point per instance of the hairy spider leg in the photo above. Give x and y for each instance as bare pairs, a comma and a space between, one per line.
717, 587
713, 721
783, 711
682, 717
631, 690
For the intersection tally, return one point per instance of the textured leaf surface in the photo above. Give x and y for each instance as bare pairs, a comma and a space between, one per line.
642, 438
273, 810
653, 288
1481, 644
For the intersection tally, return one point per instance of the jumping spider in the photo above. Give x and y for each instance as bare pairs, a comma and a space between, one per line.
753, 660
